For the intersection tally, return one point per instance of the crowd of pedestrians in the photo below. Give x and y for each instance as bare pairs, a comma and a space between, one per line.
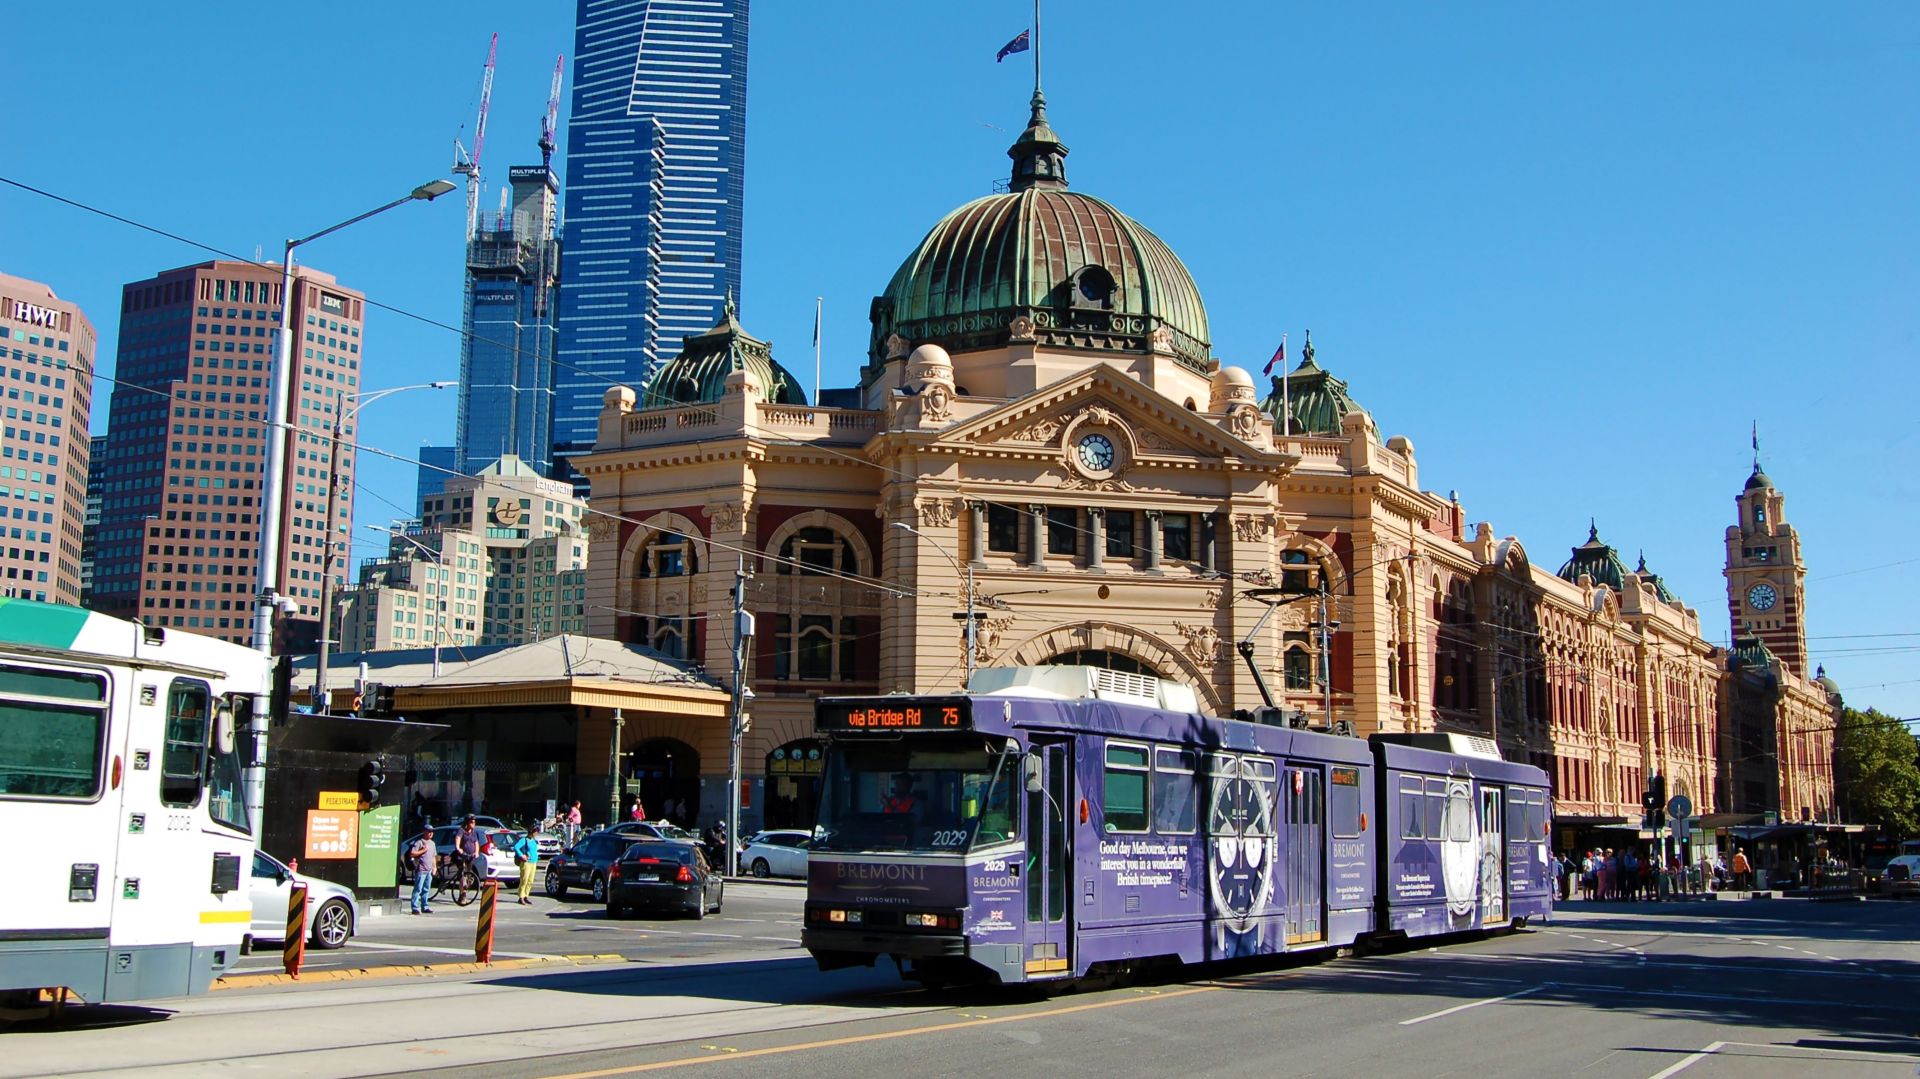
1636, 874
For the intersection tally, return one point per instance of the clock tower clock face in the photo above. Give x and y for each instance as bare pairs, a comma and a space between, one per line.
1095, 453
1762, 597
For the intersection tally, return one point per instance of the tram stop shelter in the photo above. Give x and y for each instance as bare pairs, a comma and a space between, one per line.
531, 728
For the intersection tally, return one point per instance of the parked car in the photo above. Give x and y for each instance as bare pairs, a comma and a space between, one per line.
332, 913
1902, 879
585, 864
653, 829
776, 853
657, 875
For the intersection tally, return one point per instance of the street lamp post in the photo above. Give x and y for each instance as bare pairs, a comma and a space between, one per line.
440, 589
273, 484
966, 573
350, 403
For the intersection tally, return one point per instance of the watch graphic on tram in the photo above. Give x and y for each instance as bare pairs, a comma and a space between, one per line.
1241, 845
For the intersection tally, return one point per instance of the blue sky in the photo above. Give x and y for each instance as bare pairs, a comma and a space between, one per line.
1571, 253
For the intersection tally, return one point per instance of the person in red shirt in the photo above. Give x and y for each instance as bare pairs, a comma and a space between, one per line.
902, 800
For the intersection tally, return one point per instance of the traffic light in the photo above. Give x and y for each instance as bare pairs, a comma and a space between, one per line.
374, 700
373, 776
1659, 792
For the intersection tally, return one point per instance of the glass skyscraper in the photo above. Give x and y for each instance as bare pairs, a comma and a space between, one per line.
656, 163
506, 364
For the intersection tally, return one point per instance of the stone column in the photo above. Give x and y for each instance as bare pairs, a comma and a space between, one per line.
1037, 536
1153, 541
976, 532
1096, 538
1209, 541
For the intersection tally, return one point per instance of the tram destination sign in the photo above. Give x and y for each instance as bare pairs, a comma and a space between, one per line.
901, 714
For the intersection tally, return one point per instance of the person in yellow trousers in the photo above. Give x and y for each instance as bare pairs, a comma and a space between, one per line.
526, 855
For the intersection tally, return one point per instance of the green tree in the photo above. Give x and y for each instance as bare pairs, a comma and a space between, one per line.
1877, 761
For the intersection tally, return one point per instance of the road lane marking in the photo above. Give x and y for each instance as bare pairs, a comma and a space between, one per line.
1687, 1062
1475, 1004
858, 1039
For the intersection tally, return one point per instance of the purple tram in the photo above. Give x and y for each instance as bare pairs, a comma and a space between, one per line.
1065, 822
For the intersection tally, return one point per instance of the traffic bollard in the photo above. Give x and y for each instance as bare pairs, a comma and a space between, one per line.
294, 951
483, 932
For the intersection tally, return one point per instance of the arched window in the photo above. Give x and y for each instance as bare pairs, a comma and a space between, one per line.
668, 636
1299, 664
666, 554
816, 551
1299, 572
1100, 657
822, 625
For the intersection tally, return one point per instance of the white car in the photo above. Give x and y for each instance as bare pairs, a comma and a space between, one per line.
332, 913
777, 853
1902, 877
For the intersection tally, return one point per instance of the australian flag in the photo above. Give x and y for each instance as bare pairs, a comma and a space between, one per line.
1019, 44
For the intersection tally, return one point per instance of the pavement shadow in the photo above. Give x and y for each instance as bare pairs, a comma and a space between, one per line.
1761, 992
1789, 917
771, 981
76, 1017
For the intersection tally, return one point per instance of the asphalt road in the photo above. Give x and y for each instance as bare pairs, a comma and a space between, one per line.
1702, 990
762, 917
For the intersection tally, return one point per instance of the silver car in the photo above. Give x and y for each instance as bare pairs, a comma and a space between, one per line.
332, 913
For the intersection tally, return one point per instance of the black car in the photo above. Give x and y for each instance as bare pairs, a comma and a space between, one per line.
584, 865
663, 876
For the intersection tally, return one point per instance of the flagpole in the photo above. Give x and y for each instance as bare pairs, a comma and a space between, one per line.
1036, 46
1286, 396
816, 350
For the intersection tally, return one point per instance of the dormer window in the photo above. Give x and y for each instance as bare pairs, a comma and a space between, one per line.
1760, 514
1093, 286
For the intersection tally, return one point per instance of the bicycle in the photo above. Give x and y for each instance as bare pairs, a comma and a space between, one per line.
457, 880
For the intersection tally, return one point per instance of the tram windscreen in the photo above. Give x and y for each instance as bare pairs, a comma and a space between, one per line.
920, 794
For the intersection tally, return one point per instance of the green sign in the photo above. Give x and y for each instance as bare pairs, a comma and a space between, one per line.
380, 847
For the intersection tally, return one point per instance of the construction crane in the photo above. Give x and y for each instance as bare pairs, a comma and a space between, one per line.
553, 113
468, 165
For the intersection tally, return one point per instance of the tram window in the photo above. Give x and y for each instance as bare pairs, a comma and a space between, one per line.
1175, 796
1124, 791
56, 724
1343, 800
1410, 811
1436, 817
183, 755
1517, 816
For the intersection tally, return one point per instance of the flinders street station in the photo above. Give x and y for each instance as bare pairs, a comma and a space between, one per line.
1043, 448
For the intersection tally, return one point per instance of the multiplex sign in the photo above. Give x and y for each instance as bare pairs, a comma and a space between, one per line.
32, 314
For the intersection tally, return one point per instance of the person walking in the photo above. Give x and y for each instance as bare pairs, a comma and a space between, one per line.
526, 855
424, 860
637, 811
1742, 871
573, 823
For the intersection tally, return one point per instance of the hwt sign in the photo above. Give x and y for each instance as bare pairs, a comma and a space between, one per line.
32, 314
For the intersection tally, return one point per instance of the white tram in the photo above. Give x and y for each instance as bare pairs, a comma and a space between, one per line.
121, 749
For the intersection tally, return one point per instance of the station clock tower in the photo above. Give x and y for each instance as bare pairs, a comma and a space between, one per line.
1766, 578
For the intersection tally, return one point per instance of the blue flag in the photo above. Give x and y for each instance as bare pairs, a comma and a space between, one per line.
1019, 44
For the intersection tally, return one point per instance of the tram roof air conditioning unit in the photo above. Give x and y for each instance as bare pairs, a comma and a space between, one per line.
1081, 683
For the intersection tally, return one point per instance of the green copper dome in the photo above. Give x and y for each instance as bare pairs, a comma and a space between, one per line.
1596, 560
1313, 399
1659, 586
698, 375
1082, 273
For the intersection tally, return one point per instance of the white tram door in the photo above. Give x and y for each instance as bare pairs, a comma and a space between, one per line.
1306, 822
1049, 862
1493, 858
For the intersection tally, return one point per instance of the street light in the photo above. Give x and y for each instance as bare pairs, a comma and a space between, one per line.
439, 599
273, 483
967, 573
346, 404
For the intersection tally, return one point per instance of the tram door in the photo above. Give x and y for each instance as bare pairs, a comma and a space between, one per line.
1306, 855
1049, 861
1493, 858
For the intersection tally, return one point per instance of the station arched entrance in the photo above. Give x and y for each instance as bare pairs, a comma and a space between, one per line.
664, 772
793, 784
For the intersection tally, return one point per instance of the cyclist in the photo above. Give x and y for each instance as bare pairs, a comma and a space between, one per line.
467, 845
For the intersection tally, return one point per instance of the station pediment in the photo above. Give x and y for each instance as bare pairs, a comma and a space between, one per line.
1102, 399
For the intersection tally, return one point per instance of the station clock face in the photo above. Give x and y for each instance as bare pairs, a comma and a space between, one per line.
1095, 452
1762, 597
